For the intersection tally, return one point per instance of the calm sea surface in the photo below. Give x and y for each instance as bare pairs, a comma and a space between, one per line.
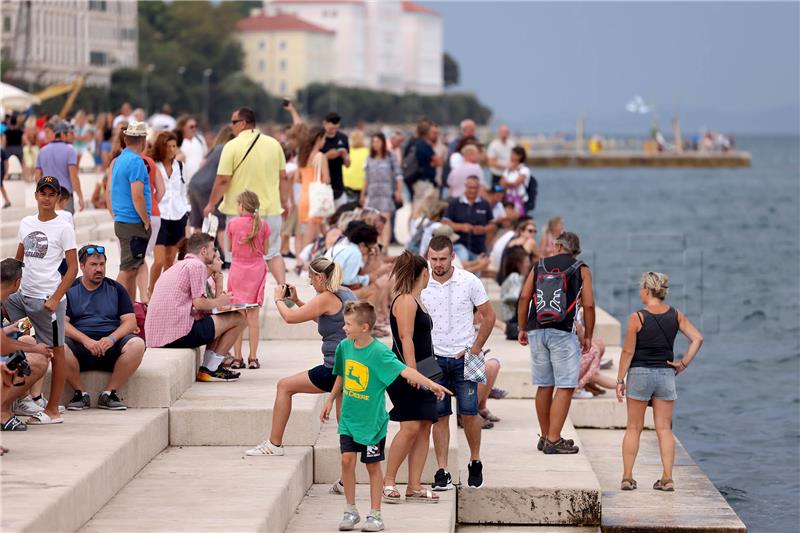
730, 241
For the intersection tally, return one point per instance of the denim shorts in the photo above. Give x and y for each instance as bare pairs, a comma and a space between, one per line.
555, 358
466, 391
645, 384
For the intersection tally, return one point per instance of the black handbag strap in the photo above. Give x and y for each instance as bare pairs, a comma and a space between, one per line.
669, 345
258, 136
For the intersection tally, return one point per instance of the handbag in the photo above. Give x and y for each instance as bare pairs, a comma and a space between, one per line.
474, 366
428, 367
320, 195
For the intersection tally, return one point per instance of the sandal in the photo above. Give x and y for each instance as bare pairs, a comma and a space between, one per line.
486, 423
237, 364
13, 424
253, 364
389, 492
43, 419
628, 484
422, 496
487, 415
667, 485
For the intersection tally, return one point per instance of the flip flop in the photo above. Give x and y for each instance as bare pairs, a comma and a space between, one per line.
253, 364
43, 419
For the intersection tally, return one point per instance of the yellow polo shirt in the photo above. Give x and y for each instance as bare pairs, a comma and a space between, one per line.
259, 172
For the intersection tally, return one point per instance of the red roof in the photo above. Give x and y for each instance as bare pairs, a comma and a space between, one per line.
414, 7
280, 22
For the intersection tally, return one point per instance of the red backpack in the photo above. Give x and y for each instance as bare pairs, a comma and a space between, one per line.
140, 311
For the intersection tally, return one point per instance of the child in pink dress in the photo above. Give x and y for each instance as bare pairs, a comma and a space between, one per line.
248, 241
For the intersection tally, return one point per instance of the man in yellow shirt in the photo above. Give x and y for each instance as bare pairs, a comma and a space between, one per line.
255, 162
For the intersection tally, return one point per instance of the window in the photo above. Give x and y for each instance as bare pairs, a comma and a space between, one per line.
97, 5
282, 45
283, 65
262, 65
261, 45
98, 58
6, 23
283, 87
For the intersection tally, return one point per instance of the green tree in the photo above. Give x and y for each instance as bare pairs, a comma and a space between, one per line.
450, 70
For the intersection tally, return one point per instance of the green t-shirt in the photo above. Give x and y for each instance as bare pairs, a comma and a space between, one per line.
366, 372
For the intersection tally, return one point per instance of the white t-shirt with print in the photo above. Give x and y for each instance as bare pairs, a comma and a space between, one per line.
45, 244
450, 306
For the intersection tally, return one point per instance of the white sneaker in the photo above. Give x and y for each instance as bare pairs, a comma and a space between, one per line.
265, 448
42, 402
606, 363
337, 488
582, 394
26, 406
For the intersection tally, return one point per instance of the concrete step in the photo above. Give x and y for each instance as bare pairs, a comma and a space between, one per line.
209, 489
164, 375
526, 529
240, 413
523, 485
327, 458
322, 511
696, 504
56, 478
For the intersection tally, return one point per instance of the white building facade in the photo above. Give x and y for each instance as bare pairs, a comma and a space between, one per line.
386, 45
51, 41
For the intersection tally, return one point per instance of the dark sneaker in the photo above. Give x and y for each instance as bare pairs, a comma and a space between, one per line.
559, 447
475, 479
111, 401
442, 480
79, 401
540, 445
220, 374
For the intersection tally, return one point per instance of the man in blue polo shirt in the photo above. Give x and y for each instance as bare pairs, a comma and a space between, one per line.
471, 217
131, 204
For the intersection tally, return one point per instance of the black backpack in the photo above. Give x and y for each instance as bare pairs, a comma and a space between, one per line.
410, 165
550, 293
532, 191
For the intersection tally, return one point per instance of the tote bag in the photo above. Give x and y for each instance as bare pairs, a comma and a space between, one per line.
320, 195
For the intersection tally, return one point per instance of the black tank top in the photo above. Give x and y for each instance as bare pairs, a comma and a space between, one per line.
13, 137
423, 345
574, 283
654, 342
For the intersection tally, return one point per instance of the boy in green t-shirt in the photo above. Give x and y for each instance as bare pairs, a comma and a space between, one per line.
365, 368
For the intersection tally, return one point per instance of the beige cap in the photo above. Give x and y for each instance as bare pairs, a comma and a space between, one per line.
136, 129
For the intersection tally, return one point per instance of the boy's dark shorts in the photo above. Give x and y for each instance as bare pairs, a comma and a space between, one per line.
369, 454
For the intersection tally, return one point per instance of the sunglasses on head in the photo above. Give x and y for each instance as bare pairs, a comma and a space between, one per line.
92, 250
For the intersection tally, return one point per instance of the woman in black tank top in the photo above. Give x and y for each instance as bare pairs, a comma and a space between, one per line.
648, 361
414, 408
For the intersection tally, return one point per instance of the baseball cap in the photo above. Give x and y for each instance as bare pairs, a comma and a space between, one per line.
333, 117
48, 181
61, 127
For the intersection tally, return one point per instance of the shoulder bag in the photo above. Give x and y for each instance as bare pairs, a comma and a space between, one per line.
320, 195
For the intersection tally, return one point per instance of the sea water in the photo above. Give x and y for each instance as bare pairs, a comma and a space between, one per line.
729, 239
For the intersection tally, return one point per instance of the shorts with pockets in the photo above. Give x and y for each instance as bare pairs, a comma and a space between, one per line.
104, 363
133, 239
555, 358
645, 384
19, 306
369, 453
453, 379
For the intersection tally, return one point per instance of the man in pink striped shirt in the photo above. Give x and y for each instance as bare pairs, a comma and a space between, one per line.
177, 314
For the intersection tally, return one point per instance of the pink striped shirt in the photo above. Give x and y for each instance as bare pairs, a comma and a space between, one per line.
169, 314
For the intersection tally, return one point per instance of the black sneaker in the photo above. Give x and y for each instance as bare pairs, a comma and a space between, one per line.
561, 446
220, 374
540, 445
111, 401
79, 401
475, 479
442, 480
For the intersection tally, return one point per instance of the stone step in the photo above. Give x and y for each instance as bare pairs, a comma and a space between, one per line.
327, 458
56, 478
523, 485
209, 489
322, 511
240, 413
696, 504
526, 529
164, 375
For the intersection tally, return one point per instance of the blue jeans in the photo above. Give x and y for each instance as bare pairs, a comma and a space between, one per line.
555, 358
466, 391
464, 253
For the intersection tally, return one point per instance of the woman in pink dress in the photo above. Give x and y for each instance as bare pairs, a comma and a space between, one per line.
248, 241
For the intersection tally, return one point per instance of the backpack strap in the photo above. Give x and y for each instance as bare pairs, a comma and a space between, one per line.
258, 136
180, 166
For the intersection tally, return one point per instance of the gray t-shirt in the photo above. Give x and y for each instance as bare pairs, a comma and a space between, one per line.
203, 180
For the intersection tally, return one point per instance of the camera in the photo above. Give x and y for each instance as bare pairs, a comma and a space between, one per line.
287, 291
286, 102
19, 364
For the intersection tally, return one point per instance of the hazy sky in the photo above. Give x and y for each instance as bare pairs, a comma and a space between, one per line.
733, 66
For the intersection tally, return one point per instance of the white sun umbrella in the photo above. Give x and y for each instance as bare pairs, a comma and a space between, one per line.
14, 99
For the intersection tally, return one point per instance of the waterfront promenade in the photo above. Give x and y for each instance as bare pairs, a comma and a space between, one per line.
175, 460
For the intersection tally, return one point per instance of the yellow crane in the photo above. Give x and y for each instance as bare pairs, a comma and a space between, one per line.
61, 88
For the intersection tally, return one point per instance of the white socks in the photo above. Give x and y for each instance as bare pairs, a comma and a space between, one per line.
212, 360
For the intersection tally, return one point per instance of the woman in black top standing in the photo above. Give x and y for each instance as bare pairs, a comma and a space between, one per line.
414, 408
649, 362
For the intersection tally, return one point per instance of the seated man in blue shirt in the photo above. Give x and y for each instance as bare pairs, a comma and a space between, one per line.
471, 217
100, 331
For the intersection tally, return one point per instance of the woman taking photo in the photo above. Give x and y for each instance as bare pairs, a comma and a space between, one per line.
383, 183
173, 205
326, 308
311, 162
414, 408
649, 362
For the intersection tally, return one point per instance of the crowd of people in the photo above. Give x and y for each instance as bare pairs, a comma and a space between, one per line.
251, 202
